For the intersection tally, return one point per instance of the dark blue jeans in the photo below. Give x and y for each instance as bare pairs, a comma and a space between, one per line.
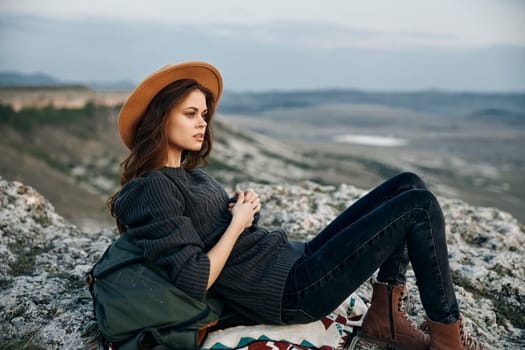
397, 222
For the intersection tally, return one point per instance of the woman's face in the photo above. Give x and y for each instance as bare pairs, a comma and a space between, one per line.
187, 124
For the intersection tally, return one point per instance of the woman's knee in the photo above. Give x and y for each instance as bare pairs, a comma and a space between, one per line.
424, 199
411, 180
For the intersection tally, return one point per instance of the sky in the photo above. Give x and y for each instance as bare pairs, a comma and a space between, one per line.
456, 45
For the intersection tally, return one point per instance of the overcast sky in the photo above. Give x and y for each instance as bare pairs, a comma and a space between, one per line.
476, 45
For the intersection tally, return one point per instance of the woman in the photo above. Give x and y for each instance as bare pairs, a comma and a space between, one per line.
186, 223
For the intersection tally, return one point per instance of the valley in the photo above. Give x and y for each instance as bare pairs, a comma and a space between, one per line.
474, 154
64, 142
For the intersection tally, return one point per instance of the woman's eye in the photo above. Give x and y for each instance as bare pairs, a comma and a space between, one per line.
190, 114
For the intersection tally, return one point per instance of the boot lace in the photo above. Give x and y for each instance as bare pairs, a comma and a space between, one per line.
402, 306
469, 342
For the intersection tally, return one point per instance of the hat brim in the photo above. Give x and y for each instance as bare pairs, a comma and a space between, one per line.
136, 104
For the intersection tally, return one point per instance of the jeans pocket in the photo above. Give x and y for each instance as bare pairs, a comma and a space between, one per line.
296, 316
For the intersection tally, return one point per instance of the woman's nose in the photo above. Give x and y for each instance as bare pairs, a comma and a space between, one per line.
202, 122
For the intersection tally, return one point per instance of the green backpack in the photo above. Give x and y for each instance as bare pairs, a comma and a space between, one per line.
137, 307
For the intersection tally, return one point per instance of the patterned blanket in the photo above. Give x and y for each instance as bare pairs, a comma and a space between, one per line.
333, 332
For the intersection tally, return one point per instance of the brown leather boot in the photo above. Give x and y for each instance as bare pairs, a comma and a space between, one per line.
451, 337
387, 323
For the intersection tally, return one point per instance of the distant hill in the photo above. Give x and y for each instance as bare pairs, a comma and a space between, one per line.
499, 115
16, 79
426, 100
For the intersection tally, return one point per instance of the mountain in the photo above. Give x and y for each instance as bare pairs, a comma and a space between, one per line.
434, 101
15, 79
36, 79
44, 261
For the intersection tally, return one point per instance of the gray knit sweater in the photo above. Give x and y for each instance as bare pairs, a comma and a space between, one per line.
177, 215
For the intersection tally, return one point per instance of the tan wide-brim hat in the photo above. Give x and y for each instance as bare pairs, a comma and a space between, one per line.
137, 103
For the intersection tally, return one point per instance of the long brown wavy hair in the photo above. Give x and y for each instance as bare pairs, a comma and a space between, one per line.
150, 143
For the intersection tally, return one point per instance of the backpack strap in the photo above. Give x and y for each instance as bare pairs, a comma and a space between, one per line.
90, 281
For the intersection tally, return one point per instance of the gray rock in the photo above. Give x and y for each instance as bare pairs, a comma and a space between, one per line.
43, 262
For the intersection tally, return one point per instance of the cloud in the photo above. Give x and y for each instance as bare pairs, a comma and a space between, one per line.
276, 55
319, 36
401, 23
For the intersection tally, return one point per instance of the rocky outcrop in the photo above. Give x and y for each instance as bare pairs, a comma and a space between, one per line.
43, 262
44, 259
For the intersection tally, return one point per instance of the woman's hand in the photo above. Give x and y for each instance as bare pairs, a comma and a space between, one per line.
244, 209
249, 196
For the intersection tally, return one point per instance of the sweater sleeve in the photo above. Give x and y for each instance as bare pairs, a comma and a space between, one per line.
152, 209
